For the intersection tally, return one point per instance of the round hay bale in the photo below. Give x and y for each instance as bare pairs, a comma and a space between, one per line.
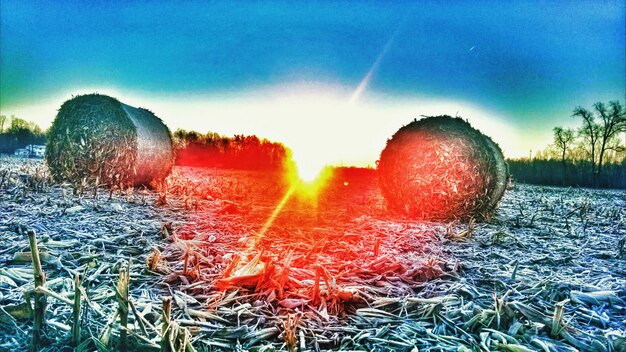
502, 174
440, 168
96, 139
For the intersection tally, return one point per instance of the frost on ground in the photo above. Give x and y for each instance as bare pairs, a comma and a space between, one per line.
336, 272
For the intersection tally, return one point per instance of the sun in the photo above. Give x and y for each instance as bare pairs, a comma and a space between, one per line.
308, 165
308, 172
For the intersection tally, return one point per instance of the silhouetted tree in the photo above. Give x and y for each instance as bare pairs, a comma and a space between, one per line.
237, 152
562, 140
19, 134
601, 136
613, 122
596, 147
590, 130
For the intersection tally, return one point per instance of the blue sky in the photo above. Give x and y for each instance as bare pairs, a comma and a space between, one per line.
527, 65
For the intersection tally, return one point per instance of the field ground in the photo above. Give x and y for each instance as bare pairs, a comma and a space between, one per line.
251, 269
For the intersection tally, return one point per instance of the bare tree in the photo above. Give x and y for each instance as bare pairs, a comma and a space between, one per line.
562, 140
613, 122
601, 136
590, 130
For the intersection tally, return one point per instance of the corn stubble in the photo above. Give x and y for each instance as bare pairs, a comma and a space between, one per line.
344, 275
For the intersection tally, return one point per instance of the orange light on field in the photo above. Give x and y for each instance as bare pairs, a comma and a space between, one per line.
301, 189
275, 213
310, 189
308, 170
308, 176
244, 271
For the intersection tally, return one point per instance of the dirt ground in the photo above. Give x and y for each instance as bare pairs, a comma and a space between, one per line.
253, 264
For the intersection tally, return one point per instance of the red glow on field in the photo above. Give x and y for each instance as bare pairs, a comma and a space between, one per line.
301, 243
275, 213
247, 266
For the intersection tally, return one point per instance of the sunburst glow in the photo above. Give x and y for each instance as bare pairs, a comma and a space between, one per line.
308, 169
315, 121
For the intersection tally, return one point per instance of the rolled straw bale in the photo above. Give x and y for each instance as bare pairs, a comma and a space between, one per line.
441, 168
97, 139
502, 174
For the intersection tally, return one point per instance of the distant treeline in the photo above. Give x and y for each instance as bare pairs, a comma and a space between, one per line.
577, 174
591, 156
17, 133
238, 152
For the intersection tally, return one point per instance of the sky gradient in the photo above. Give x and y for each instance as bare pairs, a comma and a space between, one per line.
348, 73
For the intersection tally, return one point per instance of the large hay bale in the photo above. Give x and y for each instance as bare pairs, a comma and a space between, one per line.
96, 139
440, 168
502, 174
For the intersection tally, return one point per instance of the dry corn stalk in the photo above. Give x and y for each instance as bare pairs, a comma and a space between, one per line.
290, 325
166, 327
76, 312
121, 294
40, 298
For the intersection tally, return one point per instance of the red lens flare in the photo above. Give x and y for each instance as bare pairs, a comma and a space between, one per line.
308, 242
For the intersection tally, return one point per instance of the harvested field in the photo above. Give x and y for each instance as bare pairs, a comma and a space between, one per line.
332, 272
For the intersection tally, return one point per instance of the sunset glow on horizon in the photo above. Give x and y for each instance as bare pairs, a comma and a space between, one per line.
319, 123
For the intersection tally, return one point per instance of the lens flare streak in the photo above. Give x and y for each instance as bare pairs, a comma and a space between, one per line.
370, 74
274, 214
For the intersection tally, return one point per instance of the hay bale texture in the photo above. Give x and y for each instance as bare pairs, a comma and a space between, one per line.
96, 139
441, 168
502, 175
